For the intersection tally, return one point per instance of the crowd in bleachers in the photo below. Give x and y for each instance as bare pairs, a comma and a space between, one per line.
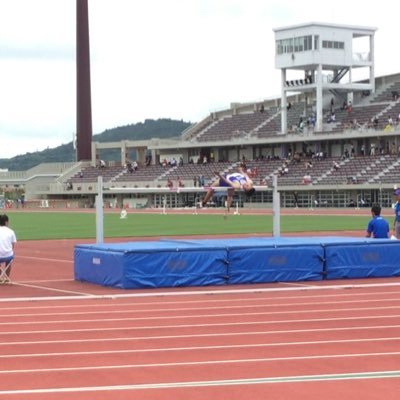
371, 162
376, 165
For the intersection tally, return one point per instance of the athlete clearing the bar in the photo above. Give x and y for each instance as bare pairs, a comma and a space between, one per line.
234, 181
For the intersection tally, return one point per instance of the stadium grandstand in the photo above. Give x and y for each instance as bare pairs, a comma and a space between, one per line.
331, 138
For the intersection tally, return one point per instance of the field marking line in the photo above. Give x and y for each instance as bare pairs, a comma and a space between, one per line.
49, 289
226, 382
204, 292
45, 259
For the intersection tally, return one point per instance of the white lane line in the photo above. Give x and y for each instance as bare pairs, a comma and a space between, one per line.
211, 362
157, 327
200, 335
192, 348
217, 307
198, 316
214, 300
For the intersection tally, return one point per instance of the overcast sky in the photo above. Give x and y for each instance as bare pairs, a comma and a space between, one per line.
179, 59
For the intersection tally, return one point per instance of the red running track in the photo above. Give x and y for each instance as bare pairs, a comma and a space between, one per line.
299, 342
61, 339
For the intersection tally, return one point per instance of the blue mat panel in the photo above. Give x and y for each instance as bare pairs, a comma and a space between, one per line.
371, 258
172, 263
150, 264
275, 264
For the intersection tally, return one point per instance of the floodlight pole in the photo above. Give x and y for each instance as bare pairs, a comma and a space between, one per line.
99, 211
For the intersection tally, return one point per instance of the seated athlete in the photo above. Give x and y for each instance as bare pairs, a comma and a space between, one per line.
377, 227
7, 244
237, 180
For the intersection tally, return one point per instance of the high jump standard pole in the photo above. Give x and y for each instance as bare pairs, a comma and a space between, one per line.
276, 208
99, 211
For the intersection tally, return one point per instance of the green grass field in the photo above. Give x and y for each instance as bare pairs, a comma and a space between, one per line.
71, 225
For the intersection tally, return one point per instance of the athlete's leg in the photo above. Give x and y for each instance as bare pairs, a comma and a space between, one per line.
207, 197
210, 193
229, 198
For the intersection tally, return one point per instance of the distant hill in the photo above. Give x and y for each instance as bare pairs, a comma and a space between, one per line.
161, 128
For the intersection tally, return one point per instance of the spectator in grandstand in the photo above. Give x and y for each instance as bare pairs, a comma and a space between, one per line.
356, 124
296, 157
169, 184
372, 149
148, 159
349, 107
336, 166
179, 182
7, 245
129, 166
312, 121
296, 199
332, 117
307, 179
234, 181
396, 222
376, 122
378, 227
300, 126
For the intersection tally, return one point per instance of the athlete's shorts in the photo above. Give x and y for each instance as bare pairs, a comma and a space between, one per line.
6, 260
397, 229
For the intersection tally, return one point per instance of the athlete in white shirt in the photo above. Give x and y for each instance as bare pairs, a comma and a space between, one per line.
234, 181
7, 244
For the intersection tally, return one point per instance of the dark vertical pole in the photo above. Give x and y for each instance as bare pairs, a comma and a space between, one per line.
83, 96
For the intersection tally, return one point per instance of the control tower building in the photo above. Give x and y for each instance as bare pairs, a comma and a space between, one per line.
325, 56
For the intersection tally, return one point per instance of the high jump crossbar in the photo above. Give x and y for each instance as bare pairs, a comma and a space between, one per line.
100, 213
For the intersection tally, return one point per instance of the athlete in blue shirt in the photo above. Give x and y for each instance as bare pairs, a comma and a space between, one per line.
396, 222
378, 227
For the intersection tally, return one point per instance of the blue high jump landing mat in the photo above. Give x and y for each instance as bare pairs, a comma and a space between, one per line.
173, 263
